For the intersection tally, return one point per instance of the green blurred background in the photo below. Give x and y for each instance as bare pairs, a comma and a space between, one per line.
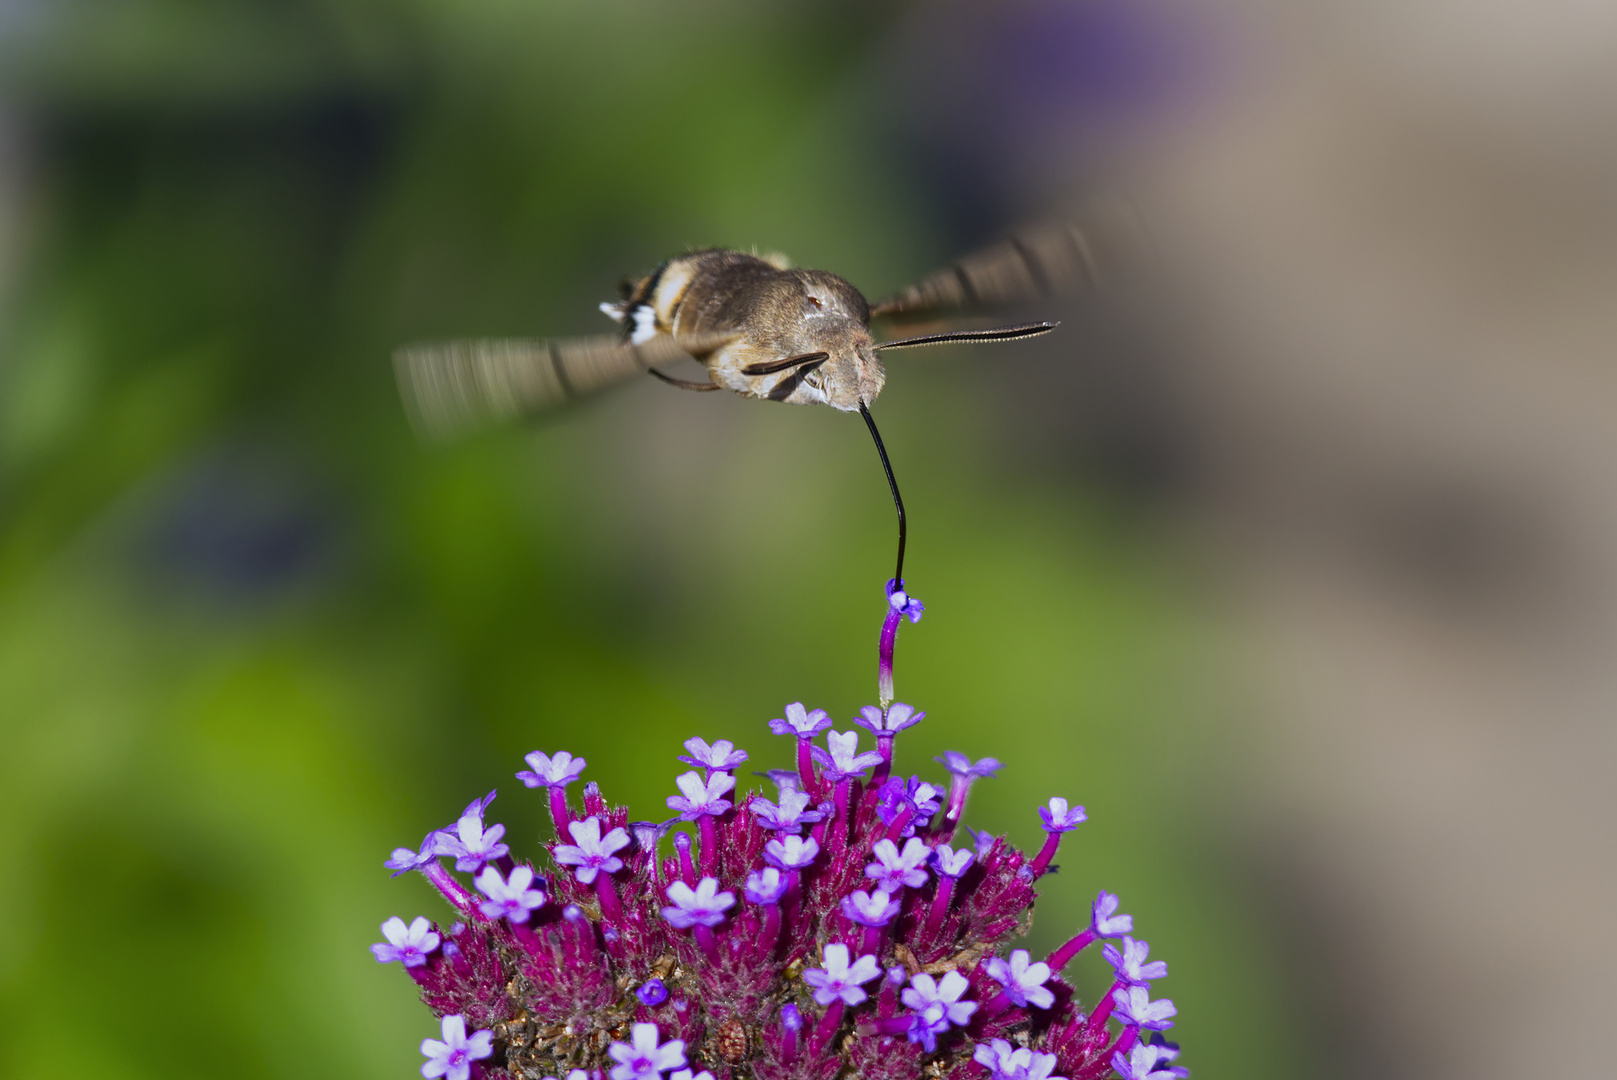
253, 635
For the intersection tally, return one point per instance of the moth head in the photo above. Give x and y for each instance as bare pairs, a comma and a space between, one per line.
834, 318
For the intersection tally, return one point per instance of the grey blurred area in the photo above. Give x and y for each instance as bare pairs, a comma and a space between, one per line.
1375, 395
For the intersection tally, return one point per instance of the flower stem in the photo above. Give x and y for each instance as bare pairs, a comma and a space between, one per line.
826, 1028
1041, 861
1062, 956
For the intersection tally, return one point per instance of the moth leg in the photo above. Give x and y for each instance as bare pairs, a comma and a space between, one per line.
772, 366
684, 384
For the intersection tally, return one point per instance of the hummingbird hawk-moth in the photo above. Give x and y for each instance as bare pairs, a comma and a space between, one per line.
762, 328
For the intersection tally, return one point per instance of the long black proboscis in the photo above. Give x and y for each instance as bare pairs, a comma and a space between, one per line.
998, 333
898, 500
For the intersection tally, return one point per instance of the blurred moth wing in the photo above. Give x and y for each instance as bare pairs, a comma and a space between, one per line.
451, 388
1095, 249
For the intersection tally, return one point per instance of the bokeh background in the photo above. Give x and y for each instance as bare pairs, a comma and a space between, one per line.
1298, 567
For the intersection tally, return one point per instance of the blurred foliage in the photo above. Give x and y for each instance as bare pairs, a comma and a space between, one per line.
253, 636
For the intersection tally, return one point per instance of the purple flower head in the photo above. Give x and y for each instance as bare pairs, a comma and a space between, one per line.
962, 766
452, 1058
949, 862
1006, 1062
1023, 981
508, 898
722, 755
404, 860
1105, 920
470, 843
1136, 1009
843, 761
1149, 1061
642, 1058
765, 886
870, 909
937, 1006
1130, 963
549, 771
790, 816
898, 717
800, 722
903, 603
894, 869
839, 979
752, 903
409, 945
591, 852
791, 852
1058, 818
703, 905
702, 797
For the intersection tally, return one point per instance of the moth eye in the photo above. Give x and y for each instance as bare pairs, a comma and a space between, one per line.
815, 300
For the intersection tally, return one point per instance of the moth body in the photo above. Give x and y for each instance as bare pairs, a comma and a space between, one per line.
762, 311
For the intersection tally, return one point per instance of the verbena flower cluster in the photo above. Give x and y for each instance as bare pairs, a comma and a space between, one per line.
839, 927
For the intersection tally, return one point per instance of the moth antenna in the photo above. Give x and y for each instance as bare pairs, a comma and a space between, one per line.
999, 333
898, 500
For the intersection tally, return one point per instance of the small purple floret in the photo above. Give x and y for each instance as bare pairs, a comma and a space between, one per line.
652, 992
843, 761
701, 797
840, 979
949, 862
409, 945
642, 1058
404, 860
791, 852
1023, 981
790, 816
961, 765
452, 1057
894, 869
1148, 1061
1136, 1009
1006, 1062
800, 722
1105, 921
1059, 818
470, 843
510, 898
765, 886
722, 755
1130, 963
702, 906
591, 852
898, 717
551, 771
937, 1006
903, 603
870, 909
